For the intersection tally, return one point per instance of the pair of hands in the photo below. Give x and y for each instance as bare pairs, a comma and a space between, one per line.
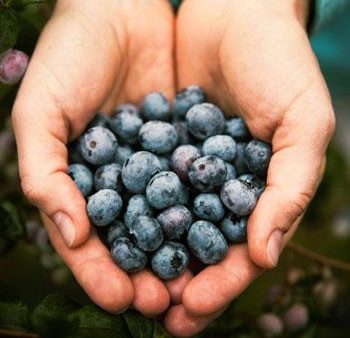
251, 57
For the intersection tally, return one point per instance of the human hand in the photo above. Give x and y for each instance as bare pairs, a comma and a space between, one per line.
90, 56
254, 58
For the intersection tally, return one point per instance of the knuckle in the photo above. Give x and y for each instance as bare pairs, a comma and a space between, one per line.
30, 189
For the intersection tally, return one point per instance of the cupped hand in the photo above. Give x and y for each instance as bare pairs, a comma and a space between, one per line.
90, 57
254, 58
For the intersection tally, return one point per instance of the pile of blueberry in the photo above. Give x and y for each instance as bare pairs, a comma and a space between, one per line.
169, 185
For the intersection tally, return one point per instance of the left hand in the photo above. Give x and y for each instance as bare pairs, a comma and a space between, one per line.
254, 58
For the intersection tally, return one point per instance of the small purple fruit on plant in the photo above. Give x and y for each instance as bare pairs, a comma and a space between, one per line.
13, 65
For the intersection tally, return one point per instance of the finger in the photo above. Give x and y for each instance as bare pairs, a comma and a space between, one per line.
53, 106
106, 284
295, 171
151, 296
215, 286
181, 324
177, 286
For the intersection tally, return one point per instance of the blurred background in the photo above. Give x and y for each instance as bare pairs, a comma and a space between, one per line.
308, 295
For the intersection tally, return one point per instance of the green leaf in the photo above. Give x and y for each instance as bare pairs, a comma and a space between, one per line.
94, 322
139, 326
51, 317
11, 228
159, 332
14, 316
8, 29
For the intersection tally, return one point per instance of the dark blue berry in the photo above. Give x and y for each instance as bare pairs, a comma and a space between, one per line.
156, 107
114, 231
163, 189
104, 206
164, 162
255, 182
137, 206
239, 197
183, 135
82, 177
109, 177
208, 207
138, 169
205, 120
122, 153
100, 120
175, 221
222, 146
239, 162
236, 128
183, 197
158, 136
257, 156
207, 173
231, 172
126, 123
170, 260
74, 154
206, 242
185, 99
183, 158
129, 257
234, 228
147, 233
98, 145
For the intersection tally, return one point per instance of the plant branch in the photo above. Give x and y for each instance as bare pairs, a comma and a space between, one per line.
318, 258
17, 334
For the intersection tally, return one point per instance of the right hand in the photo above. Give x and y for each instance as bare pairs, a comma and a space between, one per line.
90, 57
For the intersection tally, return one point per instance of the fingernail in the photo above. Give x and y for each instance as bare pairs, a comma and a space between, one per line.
65, 226
274, 246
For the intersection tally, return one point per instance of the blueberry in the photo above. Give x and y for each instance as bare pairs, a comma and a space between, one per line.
231, 172
234, 228
164, 162
236, 128
114, 231
100, 120
74, 153
206, 242
208, 207
82, 177
222, 146
170, 260
175, 221
184, 137
126, 123
163, 189
156, 107
270, 324
207, 173
205, 120
257, 156
128, 256
109, 177
255, 182
182, 159
239, 162
13, 65
296, 318
137, 206
129, 107
187, 98
183, 197
104, 206
98, 145
158, 136
122, 153
147, 233
239, 197
139, 169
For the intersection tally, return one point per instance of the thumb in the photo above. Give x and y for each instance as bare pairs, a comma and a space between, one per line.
54, 104
296, 168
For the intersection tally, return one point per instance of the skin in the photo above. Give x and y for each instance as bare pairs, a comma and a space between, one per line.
252, 58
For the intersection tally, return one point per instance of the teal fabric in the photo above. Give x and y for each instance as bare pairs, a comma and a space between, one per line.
325, 11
